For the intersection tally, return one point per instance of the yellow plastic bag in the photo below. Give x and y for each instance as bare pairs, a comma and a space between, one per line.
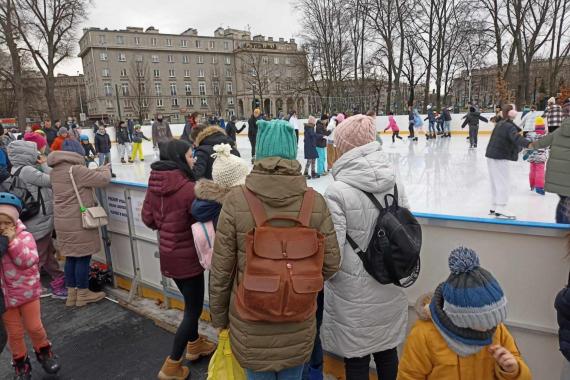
223, 365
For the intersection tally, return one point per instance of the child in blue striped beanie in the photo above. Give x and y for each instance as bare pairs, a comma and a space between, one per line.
462, 323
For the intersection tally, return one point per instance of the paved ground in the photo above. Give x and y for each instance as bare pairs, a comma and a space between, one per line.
101, 342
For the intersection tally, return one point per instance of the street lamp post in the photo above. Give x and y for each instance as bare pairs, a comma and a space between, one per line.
80, 99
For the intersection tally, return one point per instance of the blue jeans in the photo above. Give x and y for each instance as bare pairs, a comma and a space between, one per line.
295, 373
431, 127
321, 161
77, 272
446, 126
104, 158
314, 368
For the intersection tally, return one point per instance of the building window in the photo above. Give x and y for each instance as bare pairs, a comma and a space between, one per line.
102, 40
185, 59
157, 89
229, 88
168, 42
153, 41
198, 44
159, 103
265, 60
171, 73
121, 57
138, 58
156, 73
230, 101
106, 73
200, 59
173, 89
137, 40
125, 89
120, 40
288, 61
188, 89
184, 43
216, 88
189, 102
214, 72
109, 103
174, 102
103, 56
201, 73
228, 73
276, 60
155, 59
123, 72
252, 72
228, 61
128, 103
212, 44
108, 89
289, 74
170, 58
226, 45
187, 73
204, 102
214, 60
202, 88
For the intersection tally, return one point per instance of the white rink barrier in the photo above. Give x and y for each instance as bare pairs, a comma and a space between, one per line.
529, 260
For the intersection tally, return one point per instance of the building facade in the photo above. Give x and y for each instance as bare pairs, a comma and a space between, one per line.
137, 73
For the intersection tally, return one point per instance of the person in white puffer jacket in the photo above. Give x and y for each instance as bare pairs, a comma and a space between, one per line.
361, 316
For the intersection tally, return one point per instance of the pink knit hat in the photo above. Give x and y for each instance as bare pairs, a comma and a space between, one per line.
36, 138
340, 118
312, 120
355, 131
11, 212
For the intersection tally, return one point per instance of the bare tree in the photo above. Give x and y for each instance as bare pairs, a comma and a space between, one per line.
140, 91
47, 28
560, 42
257, 72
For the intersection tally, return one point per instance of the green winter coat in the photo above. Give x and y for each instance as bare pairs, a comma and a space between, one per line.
558, 166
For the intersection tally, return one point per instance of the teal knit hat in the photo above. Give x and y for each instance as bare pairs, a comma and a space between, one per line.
275, 138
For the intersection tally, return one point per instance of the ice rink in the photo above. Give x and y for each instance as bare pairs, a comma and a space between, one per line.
440, 177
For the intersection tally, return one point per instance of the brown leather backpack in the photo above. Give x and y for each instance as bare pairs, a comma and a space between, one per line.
283, 267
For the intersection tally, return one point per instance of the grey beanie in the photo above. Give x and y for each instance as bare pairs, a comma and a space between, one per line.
62, 131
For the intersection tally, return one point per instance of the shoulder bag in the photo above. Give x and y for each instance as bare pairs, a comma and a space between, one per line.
92, 217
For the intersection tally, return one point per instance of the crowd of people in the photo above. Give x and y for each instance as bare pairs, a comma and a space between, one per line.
285, 277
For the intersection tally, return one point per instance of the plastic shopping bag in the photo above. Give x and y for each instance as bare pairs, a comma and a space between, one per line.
223, 365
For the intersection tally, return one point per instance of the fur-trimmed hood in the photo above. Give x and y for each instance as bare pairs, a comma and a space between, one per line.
422, 306
207, 132
209, 190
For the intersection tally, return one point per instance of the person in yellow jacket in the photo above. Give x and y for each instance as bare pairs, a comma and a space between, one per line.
460, 334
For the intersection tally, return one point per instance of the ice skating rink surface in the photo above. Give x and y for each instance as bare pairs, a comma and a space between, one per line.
441, 177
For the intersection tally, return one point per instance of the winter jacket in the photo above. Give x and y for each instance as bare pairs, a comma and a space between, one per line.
24, 155
20, 272
51, 134
361, 315
562, 305
430, 116
535, 156
558, 166
102, 143
123, 136
89, 150
232, 130
322, 133
205, 142
506, 142
554, 116
161, 132
252, 128
209, 200
264, 346
330, 128
57, 144
472, 119
446, 114
138, 137
73, 240
529, 121
166, 208
392, 124
310, 143
426, 356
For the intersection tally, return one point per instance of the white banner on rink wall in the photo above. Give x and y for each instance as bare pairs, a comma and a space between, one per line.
117, 206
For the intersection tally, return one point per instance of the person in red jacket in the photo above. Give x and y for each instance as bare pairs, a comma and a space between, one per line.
167, 208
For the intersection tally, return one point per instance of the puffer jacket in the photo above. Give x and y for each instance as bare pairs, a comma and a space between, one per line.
123, 135
322, 133
102, 143
73, 240
208, 203
264, 346
426, 356
558, 166
19, 272
24, 154
310, 142
361, 315
167, 208
562, 305
205, 142
506, 142
472, 119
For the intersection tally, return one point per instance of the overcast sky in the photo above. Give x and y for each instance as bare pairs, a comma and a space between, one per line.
271, 18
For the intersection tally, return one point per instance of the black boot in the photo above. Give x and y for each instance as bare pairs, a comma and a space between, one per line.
315, 176
48, 360
22, 368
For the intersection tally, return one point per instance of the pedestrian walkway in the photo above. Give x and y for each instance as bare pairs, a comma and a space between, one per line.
103, 341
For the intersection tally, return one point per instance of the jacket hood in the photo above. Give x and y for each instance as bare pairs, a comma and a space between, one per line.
22, 153
278, 182
422, 306
309, 125
61, 157
210, 191
166, 178
366, 168
212, 131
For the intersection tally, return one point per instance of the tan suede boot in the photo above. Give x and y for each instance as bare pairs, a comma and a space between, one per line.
85, 296
172, 370
198, 348
71, 297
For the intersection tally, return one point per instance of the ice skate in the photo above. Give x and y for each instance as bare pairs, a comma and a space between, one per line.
540, 190
504, 214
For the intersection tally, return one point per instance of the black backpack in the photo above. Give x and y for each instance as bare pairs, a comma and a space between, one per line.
30, 206
393, 255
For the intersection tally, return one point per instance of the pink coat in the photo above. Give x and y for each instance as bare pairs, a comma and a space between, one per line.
392, 124
20, 272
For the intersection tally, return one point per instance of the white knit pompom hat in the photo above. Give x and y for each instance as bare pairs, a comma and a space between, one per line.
228, 170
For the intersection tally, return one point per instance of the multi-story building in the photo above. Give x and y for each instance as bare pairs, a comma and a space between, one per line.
137, 73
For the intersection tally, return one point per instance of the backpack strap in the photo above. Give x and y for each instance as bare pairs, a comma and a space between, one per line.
307, 207
255, 206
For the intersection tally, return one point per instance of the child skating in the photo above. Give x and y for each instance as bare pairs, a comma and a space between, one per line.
21, 286
537, 158
394, 127
138, 137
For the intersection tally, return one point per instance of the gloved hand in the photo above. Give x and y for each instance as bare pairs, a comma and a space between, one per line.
3, 245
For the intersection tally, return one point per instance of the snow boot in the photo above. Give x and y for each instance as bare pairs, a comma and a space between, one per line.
85, 296
123, 161
200, 347
540, 190
22, 368
173, 370
315, 176
48, 360
71, 297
